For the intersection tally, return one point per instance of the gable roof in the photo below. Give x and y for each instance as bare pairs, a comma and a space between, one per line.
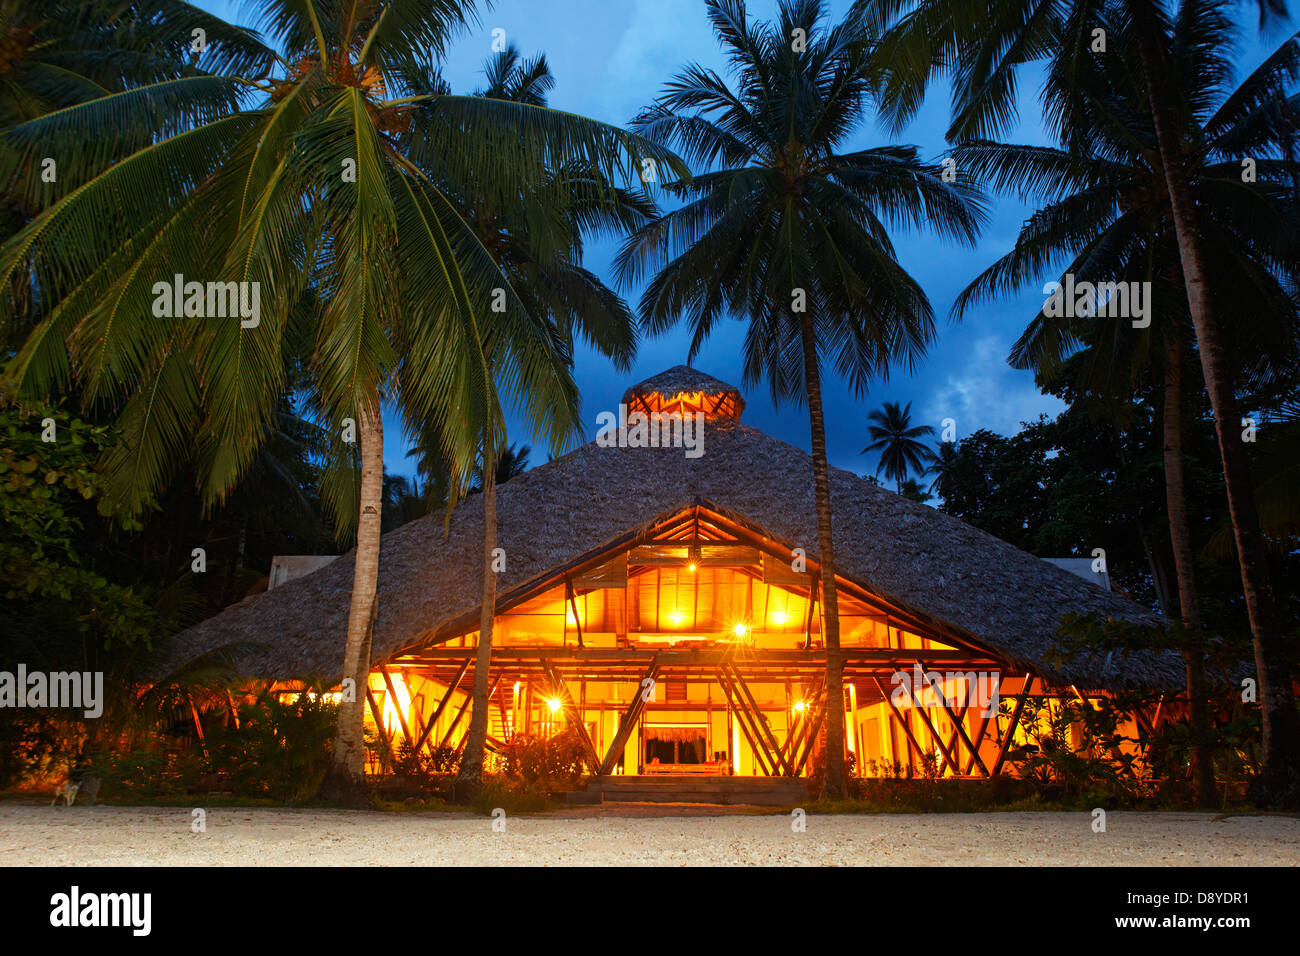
912, 556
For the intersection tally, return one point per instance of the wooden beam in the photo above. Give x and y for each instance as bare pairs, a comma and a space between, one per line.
983, 725
386, 754
762, 726
234, 711
1015, 720
813, 591
442, 704
742, 717
907, 728
573, 603
800, 724
501, 706
573, 715
957, 725
814, 728
392, 694
925, 718
628, 723
455, 721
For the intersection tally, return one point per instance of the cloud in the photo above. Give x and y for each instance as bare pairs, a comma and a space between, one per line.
661, 38
985, 392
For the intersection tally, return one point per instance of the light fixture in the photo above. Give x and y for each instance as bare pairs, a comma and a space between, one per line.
740, 630
800, 706
555, 704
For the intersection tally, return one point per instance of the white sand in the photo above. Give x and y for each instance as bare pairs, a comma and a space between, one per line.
635, 835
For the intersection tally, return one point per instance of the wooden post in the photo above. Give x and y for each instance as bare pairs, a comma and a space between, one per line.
757, 715
386, 754
810, 740
630, 717
812, 608
442, 704
573, 603
742, 718
392, 695
234, 711
1011, 730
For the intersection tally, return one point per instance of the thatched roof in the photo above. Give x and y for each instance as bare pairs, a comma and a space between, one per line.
908, 554
682, 379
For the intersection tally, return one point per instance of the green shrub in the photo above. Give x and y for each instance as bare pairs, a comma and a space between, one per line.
547, 763
281, 749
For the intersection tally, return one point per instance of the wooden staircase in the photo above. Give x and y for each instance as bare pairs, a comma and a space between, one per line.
723, 790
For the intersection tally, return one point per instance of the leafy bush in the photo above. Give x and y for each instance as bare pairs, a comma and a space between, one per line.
549, 763
29, 743
1095, 765
280, 750
149, 773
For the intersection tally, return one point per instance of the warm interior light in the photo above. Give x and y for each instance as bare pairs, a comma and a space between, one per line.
778, 618
391, 705
555, 704
800, 706
740, 630
691, 567
676, 618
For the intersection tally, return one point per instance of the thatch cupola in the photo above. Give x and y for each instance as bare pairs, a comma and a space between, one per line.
685, 390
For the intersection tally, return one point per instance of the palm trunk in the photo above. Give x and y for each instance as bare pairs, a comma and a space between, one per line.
1280, 776
346, 782
835, 783
1159, 576
470, 777
1180, 538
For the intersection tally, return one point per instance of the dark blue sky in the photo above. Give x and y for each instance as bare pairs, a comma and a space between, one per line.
610, 57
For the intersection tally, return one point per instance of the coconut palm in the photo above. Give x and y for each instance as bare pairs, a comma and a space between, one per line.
57, 53
319, 186
898, 442
1108, 211
785, 227
981, 47
536, 237
512, 463
943, 465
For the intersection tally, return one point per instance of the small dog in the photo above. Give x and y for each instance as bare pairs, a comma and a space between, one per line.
67, 792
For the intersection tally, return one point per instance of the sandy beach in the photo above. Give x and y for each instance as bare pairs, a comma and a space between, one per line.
633, 835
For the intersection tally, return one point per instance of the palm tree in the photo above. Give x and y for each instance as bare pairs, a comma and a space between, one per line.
896, 438
786, 229
512, 463
57, 53
1108, 210
981, 47
536, 238
319, 187
943, 465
